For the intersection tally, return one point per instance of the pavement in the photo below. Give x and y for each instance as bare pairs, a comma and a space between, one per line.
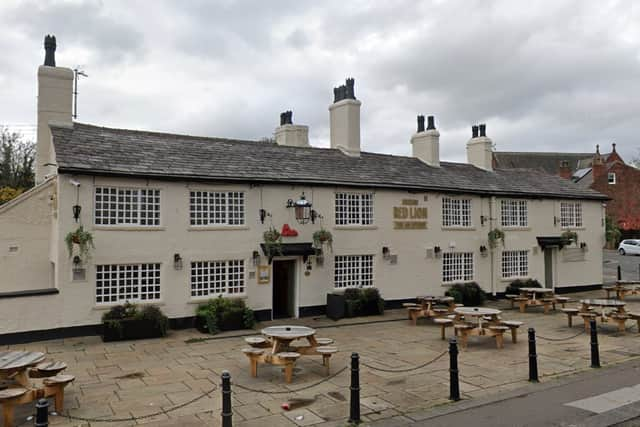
148, 381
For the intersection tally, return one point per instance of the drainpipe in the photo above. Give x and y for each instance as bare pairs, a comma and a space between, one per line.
492, 219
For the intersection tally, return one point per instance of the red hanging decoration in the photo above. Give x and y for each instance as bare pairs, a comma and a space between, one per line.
288, 231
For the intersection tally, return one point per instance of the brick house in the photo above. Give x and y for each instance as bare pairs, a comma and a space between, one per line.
606, 173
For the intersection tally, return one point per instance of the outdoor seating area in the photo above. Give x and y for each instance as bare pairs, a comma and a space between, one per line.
276, 347
536, 297
430, 307
17, 368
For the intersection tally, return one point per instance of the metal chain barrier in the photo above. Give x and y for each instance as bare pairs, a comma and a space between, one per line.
255, 390
561, 339
142, 417
414, 368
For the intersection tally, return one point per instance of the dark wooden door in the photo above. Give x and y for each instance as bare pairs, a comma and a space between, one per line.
283, 288
548, 268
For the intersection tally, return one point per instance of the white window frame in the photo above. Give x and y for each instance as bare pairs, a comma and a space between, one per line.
212, 278
136, 283
456, 212
514, 213
126, 206
571, 214
217, 208
354, 208
353, 271
515, 264
611, 178
457, 267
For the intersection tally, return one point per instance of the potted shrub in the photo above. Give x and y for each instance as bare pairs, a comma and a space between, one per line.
83, 239
358, 302
127, 322
495, 235
469, 294
322, 237
224, 314
272, 243
514, 287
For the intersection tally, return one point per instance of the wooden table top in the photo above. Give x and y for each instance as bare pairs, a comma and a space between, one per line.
288, 332
12, 360
537, 290
603, 302
477, 311
434, 298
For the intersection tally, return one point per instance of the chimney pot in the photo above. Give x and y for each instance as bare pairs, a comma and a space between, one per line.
474, 131
613, 145
50, 51
431, 123
483, 130
350, 88
282, 118
420, 123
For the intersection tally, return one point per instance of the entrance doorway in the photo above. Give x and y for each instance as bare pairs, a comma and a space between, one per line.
548, 268
284, 281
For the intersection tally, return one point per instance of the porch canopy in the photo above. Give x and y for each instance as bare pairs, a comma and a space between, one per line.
551, 241
294, 249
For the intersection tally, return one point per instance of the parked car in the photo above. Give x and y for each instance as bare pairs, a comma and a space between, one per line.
629, 247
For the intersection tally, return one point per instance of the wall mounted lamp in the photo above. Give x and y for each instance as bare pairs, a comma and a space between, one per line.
385, 252
263, 214
483, 219
177, 262
256, 258
76, 212
76, 260
302, 209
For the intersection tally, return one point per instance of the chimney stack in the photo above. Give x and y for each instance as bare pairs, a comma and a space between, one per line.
289, 134
565, 170
426, 143
344, 119
479, 148
55, 95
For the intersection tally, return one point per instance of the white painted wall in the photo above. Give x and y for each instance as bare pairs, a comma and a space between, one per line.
413, 274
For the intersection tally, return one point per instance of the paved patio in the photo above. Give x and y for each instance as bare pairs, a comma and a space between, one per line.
140, 378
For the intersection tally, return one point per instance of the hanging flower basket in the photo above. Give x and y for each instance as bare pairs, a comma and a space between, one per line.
322, 237
495, 235
83, 239
272, 243
569, 237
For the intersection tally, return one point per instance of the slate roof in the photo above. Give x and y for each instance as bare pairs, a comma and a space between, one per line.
87, 149
547, 162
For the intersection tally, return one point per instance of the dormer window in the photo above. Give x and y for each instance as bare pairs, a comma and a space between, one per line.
611, 177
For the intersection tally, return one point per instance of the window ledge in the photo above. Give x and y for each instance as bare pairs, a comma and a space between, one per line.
105, 307
200, 300
459, 228
449, 284
511, 279
573, 228
516, 228
126, 228
355, 227
29, 293
217, 227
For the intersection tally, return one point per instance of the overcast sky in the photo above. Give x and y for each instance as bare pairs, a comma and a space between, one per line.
544, 76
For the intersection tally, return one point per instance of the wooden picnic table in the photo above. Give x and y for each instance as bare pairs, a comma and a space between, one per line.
487, 324
618, 314
427, 308
622, 288
14, 365
545, 297
282, 336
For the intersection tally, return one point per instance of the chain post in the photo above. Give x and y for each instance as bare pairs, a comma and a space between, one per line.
619, 272
533, 357
595, 352
354, 410
227, 413
42, 413
454, 384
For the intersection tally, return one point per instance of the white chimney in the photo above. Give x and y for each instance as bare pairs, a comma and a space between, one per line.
55, 94
426, 143
344, 118
479, 148
289, 134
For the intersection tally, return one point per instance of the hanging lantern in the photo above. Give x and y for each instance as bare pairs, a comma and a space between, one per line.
302, 210
76, 212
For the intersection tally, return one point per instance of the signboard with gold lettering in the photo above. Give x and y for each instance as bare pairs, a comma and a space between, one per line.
409, 216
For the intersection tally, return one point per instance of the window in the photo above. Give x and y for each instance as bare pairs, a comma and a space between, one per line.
611, 177
354, 208
127, 206
216, 208
127, 282
514, 213
570, 214
515, 264
217, 278
353, 271
456, 212
457, 267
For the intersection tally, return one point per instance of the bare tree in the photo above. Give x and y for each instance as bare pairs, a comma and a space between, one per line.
17, 156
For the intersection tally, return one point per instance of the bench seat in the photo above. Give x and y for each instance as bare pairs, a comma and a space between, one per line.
444, 323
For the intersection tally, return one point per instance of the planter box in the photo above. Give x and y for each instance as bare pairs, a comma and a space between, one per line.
338, 307
131, 329
232, 321
335, 306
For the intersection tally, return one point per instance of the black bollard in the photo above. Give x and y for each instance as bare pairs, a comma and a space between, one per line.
619, 272
533, 357
595, 352
226, 400
354, 410
454, 384
42, 413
